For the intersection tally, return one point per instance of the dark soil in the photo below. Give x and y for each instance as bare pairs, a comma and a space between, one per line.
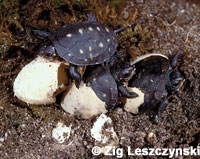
163, 26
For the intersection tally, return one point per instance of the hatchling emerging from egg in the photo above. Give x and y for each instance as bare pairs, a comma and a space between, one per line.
81, 44
108, 83
155, 77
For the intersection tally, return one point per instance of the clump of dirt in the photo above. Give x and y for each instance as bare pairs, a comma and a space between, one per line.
161, 26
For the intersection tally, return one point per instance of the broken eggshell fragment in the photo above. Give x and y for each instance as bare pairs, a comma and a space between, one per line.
40, 81
104, 134
61, 132
82, 102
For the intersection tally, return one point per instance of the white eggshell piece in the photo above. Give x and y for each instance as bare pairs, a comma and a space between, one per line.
61, 132
104, 134
132, 104
39, 81
82, 102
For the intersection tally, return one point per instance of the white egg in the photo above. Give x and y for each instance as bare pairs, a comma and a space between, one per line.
132, 104
82, 102
40, 81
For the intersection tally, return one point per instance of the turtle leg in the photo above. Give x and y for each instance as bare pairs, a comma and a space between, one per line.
113, 59
125, 27
75, 75
162, 106
125, 93
41, 33
175, 59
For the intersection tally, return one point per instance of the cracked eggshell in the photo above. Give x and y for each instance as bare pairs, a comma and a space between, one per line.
104, 134
40, 81
132, 104
148, 56
82, 102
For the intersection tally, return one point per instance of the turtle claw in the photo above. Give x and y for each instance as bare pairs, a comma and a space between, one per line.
77, 83
120, 55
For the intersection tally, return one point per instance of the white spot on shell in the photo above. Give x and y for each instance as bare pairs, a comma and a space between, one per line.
94, 79
69, 54
86, 60
104, 95
108, 40
90, 29
107, 30
90, 48
81, 51
100, 44
69, 35
98, 28
109, 49
91, 56
80, 31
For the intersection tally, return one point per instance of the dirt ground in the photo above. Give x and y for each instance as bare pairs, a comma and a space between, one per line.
163, 26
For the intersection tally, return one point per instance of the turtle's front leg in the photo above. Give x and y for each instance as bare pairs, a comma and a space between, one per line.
125, 93
75, 75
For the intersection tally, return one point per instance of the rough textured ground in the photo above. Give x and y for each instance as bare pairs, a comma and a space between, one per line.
163, 26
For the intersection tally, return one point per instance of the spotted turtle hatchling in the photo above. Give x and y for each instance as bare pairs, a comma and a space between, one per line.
107, 83
81, 44
156, 77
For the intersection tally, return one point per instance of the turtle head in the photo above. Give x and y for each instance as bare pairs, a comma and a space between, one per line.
174, 79
47, 50
125, 72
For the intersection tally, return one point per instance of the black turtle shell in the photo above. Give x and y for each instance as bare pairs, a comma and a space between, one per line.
84, 43
104, 86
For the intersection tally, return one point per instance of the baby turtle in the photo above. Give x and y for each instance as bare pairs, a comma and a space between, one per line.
104, 86
155, 77
81, 44
108, 84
